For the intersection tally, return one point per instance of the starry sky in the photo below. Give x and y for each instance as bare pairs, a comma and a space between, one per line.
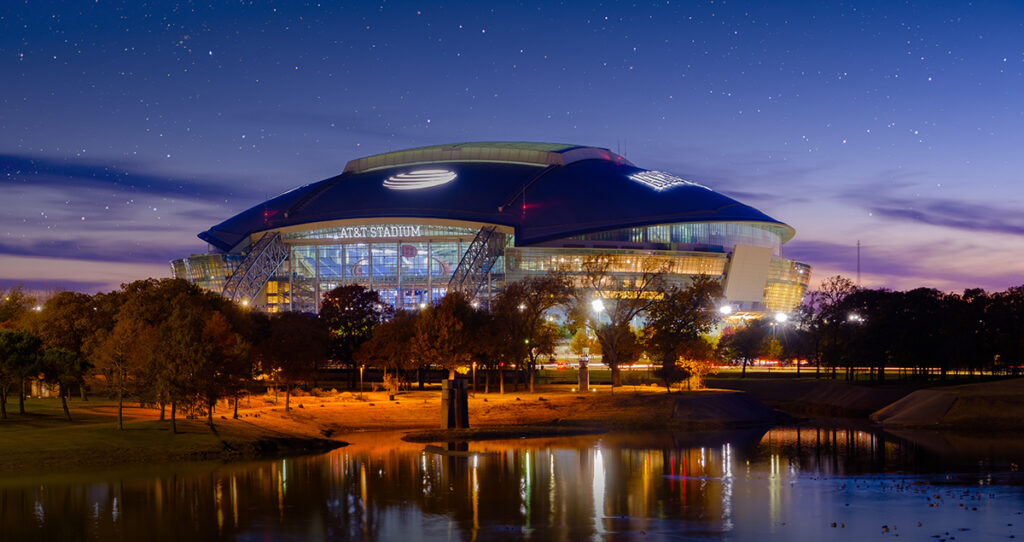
126, 128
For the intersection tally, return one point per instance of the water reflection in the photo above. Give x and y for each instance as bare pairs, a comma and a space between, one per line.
754, 484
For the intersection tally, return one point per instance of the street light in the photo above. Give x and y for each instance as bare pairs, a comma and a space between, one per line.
780, 318
361, 368
725, 310
597, 305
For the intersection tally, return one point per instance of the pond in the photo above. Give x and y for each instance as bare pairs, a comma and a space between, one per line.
786, 483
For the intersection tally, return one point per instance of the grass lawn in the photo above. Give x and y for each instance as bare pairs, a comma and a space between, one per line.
42, 438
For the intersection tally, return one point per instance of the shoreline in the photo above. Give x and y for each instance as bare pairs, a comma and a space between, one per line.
42, 441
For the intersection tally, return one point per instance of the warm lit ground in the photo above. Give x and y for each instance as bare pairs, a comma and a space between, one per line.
42, 438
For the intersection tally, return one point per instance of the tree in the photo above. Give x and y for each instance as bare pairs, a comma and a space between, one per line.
695, 369
226, 360
15, 305
203, 351
69, 320
446, 334
609, 292
582, 343
677, 324
520, 313
293, 345
390, 345
19, 352
120, 354
350, 313
745, 343
131, 346
824, 317
64, 368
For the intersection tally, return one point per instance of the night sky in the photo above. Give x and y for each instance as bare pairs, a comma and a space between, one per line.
126, 128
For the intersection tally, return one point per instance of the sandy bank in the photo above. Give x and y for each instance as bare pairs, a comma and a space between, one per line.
42, 440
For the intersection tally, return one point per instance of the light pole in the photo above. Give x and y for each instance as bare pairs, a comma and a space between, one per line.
361, 368
584, 375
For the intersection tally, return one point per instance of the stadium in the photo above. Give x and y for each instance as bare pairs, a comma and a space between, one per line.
415, 224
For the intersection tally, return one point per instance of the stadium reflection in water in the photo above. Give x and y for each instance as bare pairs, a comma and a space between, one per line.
745, 485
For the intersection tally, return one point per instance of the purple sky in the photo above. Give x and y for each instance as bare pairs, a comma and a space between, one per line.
126, 129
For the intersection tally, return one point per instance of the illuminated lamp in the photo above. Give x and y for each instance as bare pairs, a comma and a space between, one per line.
423, 178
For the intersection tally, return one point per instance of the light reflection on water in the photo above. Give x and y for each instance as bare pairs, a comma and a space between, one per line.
783, 484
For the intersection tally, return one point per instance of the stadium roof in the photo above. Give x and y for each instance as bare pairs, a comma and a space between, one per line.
545, 191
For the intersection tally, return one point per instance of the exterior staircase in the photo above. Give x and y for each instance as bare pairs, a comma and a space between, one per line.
256, 269
471, 274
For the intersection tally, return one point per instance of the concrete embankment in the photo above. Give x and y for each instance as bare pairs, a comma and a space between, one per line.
720, 408
982, 406
813, 397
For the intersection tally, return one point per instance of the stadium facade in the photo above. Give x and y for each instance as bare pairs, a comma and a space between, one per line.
415, 224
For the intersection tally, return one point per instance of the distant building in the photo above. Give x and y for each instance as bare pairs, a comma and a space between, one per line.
415, 224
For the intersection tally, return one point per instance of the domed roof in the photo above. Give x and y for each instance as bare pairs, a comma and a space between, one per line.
544, 191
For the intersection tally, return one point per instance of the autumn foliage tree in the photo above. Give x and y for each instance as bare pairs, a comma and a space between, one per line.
677, 326
445, 334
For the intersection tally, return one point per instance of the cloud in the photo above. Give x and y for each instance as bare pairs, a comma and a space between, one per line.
38, 287
65, 175
116, 251
908, 266
960, 215
763, 177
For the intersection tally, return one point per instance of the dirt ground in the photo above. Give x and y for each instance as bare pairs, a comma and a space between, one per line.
42, 439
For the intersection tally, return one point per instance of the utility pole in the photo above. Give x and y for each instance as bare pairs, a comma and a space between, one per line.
858, 263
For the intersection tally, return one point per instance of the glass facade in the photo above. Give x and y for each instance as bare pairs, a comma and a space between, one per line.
408, 270
524, 261
411, 264
209, 271
699, 237
787, 282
